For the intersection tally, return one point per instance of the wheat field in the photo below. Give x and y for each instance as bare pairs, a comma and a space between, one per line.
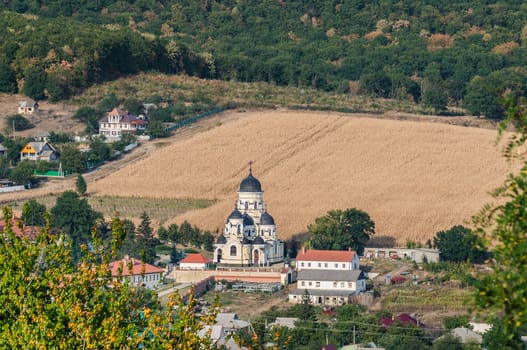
413, 178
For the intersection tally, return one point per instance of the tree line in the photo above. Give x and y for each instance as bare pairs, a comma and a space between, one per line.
463, 53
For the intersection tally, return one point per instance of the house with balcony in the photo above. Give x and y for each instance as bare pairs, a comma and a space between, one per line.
327, 277
117, 122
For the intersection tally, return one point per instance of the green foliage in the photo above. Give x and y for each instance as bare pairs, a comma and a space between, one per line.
156, 129
50, 303
459, 244
109, 102
60, 137
99, 151
144, 238
8, 82
448, 342
125, 140
23, 173
33, 213
297, 43
35, 82
80, 185
19, 122
72, 159
341, 230
500, 336
502, 228
75, 217
456, 321
133, 106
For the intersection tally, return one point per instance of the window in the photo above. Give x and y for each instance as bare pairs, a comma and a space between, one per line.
308, 264
343, 266
336, 265
302, 283
350, 284
302, 264
233, 250
317, 284
310, 283
341, 284
325, 264
319, 265
334, 284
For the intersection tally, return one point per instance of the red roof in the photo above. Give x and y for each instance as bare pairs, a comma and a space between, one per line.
138, 267
326, 255
195, 259
403, 318
28, 232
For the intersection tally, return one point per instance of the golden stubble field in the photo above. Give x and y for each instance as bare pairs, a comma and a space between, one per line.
413, 178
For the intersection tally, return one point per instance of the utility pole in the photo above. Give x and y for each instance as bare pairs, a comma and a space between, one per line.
354, 342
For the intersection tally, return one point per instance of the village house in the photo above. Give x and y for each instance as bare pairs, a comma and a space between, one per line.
27, 107
21, 230
137, 273
118, 122
38, 150
194, 262
329, 277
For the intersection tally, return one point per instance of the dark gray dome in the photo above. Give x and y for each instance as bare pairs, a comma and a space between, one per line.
221, 239
245, 240
235, 215
250, 184
266, 219
258, 240
247, 220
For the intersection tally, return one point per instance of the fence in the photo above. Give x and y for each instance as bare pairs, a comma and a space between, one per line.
52, 173
193, 119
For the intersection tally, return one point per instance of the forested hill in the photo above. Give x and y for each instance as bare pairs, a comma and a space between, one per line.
435, 52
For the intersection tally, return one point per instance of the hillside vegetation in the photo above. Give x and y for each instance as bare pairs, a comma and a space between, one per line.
432, 52
413, 178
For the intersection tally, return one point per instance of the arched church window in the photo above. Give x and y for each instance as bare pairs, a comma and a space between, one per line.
255, 205
233, 250
239, 227
246, 205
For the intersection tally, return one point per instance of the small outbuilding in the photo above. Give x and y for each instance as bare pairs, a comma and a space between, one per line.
194, 262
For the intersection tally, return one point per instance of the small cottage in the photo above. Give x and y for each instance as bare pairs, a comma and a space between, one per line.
194, 262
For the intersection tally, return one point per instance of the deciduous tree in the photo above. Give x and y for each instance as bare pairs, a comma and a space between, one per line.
341, 230
33, 213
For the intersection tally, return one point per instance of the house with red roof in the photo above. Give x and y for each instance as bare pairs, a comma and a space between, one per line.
21, 230
137, 272
194, 262
403, 318
328, 277
118, 122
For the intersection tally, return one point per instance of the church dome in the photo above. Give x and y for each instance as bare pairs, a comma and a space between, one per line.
258, 240
250, 184
247, 220
235, 215
266, 219
221, 239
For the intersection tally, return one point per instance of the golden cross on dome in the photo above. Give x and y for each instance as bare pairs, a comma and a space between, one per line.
250, 167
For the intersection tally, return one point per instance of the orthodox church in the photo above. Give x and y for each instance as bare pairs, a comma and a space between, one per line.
249, 237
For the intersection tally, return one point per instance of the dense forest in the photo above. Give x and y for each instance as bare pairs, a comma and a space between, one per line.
438, 53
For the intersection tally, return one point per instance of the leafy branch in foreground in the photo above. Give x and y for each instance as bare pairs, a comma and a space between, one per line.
51, 302
503, 228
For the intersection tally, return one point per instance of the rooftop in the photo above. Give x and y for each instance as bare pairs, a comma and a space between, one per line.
326, 255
